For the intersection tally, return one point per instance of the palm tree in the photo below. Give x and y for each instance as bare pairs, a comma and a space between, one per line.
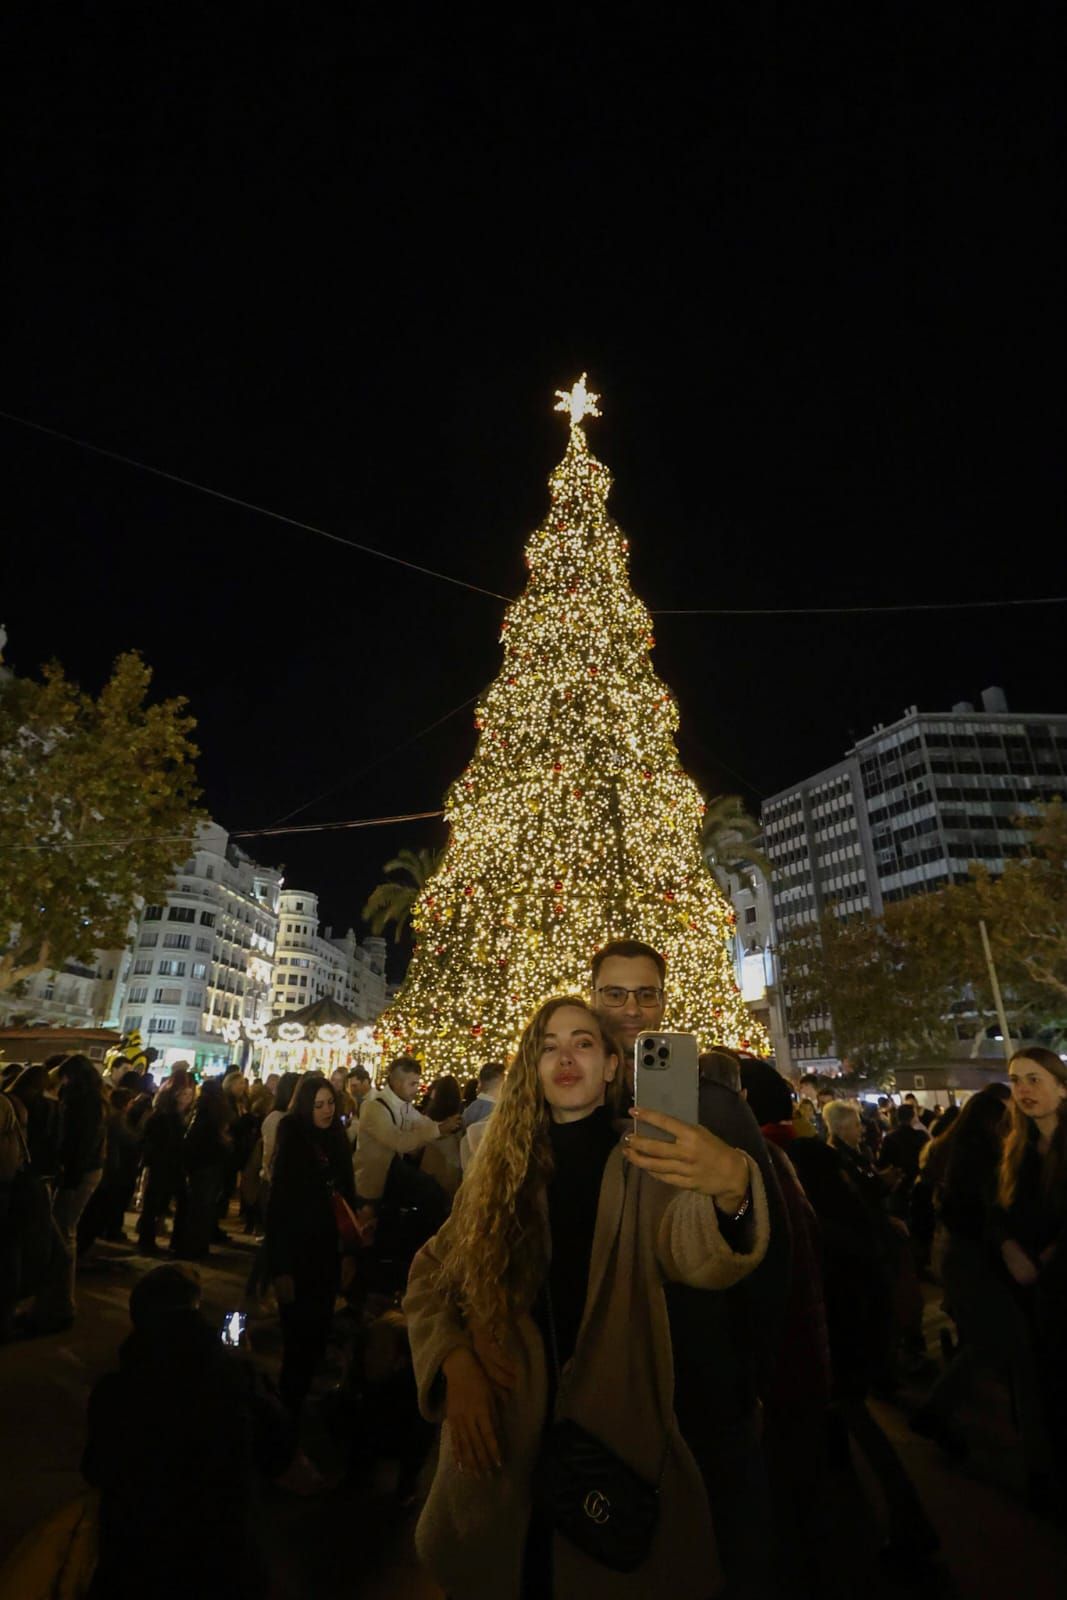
727, 835
393, 901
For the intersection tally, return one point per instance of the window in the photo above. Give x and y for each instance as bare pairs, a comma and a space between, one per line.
139, 995
207, 919
168, 997
191, 1027
300, 905
148, 941
153, 913
195, 997
131, 1024
750, 913
199, 967
181, 914
171, 969
303, 983
143, 964
163, 1025
177, 941
209, 872
292, 978
203, 944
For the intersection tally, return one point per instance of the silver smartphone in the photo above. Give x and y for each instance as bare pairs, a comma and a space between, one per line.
666, 1078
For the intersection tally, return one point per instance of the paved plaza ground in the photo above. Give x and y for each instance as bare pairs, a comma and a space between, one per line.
357, 1541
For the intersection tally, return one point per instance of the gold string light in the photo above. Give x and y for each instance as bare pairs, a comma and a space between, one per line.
574, 822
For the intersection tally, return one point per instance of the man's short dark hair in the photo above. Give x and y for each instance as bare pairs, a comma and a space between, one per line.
492, 1072
911, 1097
404, 1064
629, 950
811, 1077
361, 1073
905, 1116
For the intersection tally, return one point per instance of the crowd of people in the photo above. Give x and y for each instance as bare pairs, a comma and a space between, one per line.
647, 1346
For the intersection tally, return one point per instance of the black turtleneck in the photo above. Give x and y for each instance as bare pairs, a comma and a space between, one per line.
579, 1152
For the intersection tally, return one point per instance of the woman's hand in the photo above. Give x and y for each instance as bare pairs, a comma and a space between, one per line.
470, 1413
1018, 1263
698, 1159
284, 1290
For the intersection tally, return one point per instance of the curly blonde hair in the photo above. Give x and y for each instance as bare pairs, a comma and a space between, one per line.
493, 1244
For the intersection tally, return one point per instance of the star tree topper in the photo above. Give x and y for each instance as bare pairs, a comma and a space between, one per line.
578, 401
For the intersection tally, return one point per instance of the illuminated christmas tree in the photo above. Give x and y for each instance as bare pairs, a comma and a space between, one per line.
574, 823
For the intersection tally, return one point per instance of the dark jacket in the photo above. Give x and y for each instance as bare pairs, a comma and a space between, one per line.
309, 1167
902, 1148
190, 1423
163, 1146
726, 1345
206, 1143
855, 1278
82, 1136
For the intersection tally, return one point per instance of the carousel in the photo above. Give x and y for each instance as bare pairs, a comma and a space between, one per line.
320, 1038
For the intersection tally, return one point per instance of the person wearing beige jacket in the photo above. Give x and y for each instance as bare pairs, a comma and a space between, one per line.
561, 1234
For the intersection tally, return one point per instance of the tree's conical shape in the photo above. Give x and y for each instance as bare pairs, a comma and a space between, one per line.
574, 822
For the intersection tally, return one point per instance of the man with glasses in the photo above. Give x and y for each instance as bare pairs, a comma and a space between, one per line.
725, 1345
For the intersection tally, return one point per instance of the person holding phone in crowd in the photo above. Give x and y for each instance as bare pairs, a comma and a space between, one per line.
726, 1347
543, 1293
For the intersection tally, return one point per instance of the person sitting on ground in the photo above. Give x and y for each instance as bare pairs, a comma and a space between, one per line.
162, 1149
191, 1421
546, 1283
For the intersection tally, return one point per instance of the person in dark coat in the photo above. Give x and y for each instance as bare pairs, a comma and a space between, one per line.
312, 1174
79, 1168
725, 1345
1031, 1227
161, 1154
41, 1123
205, 1151
847, 1196
179, 1441
105, 1214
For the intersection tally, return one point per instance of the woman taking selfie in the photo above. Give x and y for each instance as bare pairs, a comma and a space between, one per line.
539, 1335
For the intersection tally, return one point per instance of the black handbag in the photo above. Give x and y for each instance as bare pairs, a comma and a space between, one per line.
589, 1495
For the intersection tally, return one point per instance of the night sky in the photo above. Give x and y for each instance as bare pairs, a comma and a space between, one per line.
813, 268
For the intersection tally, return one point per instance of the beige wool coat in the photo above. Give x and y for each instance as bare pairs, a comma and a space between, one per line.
619, 1385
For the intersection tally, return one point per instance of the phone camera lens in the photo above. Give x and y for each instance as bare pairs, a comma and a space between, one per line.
663, 1052
650, 1060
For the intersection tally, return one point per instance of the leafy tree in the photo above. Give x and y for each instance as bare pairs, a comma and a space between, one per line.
880, 988
727, 837
96, 810
394, 900
886, 988
1025, 912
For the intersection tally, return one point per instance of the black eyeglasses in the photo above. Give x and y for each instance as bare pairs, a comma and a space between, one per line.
612, 994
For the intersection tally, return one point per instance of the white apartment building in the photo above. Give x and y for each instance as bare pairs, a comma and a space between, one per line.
906, 810
310, 965
205, 958
82, 995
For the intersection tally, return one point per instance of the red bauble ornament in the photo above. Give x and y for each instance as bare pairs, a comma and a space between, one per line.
502, 962
557, 766
558, 908
512, 681
440, 950
469, 889
646, 775
593, 671
476, 1030
744, 1044
578, 794
668, 894
558, 886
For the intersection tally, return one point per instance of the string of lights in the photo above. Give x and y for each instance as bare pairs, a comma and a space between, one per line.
235, 833
493, 594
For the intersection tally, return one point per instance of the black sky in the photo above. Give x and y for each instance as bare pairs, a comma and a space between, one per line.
814, 268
